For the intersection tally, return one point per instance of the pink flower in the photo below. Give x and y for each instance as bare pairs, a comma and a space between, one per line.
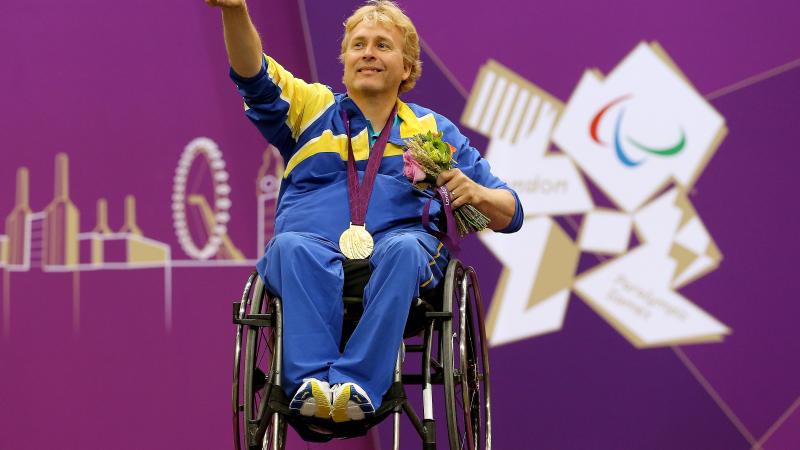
411, 169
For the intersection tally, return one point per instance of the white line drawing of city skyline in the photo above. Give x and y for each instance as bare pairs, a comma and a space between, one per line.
49, 240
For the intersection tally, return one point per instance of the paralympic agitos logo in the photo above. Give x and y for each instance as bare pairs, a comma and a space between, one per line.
624, 152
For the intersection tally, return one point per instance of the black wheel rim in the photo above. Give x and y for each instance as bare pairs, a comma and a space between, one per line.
467, 396
258, 423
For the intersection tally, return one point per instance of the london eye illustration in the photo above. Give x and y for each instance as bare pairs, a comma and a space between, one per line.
201, 203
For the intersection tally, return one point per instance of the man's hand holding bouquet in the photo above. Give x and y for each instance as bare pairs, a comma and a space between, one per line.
428, 163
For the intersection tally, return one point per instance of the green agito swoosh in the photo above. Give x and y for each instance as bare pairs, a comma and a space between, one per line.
661, 151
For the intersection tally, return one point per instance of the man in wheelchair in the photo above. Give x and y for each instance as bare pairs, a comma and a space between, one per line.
344, 196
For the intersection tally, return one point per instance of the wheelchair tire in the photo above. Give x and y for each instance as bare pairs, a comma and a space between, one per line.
256, 426
465, 361
237, 402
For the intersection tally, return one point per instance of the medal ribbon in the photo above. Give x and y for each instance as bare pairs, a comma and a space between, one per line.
450, 237
359, 195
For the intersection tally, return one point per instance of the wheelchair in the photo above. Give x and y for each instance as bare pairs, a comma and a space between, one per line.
447, 325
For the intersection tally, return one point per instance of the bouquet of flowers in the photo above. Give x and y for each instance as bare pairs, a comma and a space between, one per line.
427, 156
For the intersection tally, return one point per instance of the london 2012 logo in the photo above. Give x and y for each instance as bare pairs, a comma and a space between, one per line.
641, 136
619, 146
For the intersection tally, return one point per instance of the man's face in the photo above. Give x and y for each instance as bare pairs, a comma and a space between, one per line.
373, 60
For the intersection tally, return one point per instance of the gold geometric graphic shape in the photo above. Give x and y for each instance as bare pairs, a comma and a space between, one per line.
713, 252
715, 258
3, 250
686, 257
672, 222
683, 257
130, 225
143, 251
557, 272
503, 103
227, 250
102, 218
61, 221
532, 293
101, 228
15, 226
98, 252
685, 206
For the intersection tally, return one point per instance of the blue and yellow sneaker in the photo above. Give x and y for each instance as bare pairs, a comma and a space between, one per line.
312, 399
350, 402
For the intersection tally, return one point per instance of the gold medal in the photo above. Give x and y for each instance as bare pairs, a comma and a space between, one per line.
356, 242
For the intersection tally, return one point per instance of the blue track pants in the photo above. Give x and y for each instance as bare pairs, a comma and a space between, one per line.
305, 270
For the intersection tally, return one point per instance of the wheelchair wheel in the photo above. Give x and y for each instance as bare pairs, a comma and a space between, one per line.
465, 361
256, 427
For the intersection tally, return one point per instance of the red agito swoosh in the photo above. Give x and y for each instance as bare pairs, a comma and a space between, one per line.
596, 120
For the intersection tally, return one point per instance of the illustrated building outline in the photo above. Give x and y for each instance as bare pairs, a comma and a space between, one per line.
50, 240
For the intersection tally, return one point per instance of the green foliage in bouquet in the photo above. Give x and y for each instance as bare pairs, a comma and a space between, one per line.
426, 156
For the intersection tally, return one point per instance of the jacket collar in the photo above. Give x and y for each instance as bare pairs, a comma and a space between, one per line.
408, 126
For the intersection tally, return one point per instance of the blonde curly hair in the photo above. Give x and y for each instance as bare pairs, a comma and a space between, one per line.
389, 14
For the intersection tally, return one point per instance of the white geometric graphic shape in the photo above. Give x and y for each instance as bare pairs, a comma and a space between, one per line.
658, 221
533, 292
504, 105
671, 225
519, 118
634, 133
633, 294
605, 232
695, 238
640, 128
546, 186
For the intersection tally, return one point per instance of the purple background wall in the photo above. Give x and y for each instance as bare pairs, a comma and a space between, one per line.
123, 88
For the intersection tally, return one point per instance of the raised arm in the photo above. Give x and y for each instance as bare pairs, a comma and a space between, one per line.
241, 38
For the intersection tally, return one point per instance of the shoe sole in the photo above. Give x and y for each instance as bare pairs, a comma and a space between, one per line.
344, 411
317, 406
339, 412
323, 403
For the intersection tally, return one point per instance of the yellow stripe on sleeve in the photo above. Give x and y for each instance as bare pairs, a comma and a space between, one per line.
306, 101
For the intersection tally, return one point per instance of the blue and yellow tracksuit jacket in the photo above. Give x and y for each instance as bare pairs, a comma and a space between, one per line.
303, 121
